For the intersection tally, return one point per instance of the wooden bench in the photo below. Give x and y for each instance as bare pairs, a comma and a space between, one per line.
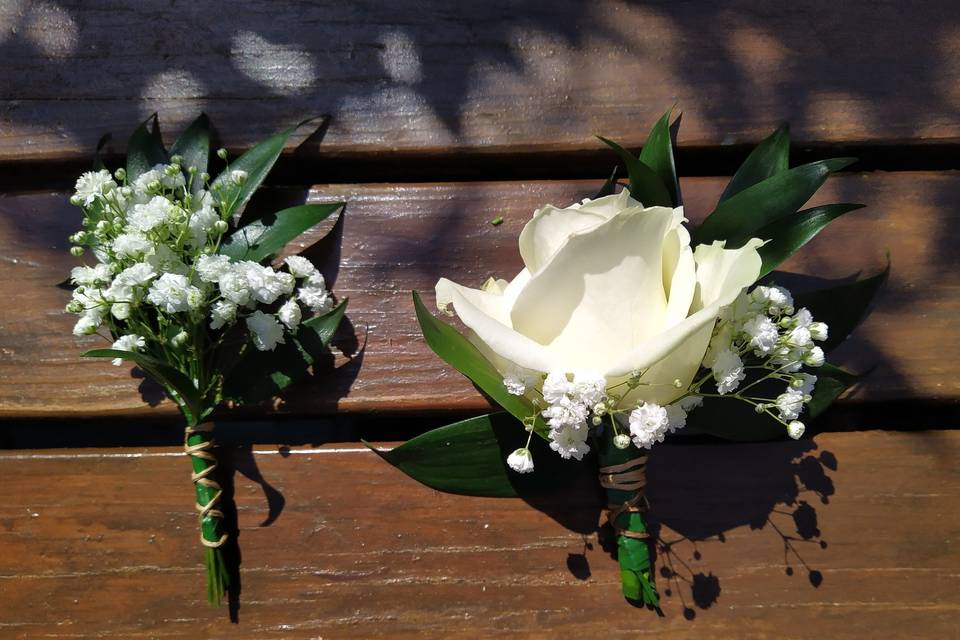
848, 534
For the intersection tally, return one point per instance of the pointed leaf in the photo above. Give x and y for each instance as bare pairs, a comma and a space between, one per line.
97, 160
831, 382
645, 185
194, 145
261, 375
738, 218
268, 235
789, 233
145, 149
609, 186
842, 307
459, 353
257, 162
769, 158
469, 458
657, 153
183, 390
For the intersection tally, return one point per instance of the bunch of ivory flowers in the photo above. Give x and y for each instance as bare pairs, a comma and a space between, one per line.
624, 326
180, 289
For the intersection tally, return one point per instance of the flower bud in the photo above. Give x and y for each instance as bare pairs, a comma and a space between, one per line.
220, 226
177, 159
818, 331
76, 251
596, 421
238, 176
599, 409
621, 441
120, 173
795, 429
222, 153
76, 200
180, 339
171, 170
154, 186
191, 170
204, 177
521, 460
759, 408
677, 383
75, 306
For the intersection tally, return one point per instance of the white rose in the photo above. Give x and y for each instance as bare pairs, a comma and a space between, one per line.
608, 286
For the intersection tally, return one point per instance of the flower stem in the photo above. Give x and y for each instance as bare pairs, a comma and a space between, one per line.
199, 445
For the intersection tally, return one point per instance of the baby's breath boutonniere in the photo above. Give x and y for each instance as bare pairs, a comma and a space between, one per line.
627, 325
181, 285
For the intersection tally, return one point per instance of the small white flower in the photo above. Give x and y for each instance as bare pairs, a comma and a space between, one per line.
807, 383
200, 225
569, 442
234, 287
790, 404
727, 371
88, 323
621, 441
131, 245
518, 380
173, 293
814, 357
800, 337
92, 184
556, 387
222, 313
314, 294
589, 387
803, 318
648, 424
211, 268
521, 460
775, 300
265, 331
763, 334
795, 429
566, 413
300, 267
146, 217
690, 403
290, 314
819, 331
119, 295
165, 260
97, 274
137, 274
720, 342
676, 417
129, 342
266, 285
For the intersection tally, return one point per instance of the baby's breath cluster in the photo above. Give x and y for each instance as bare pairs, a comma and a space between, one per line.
759, 338
159, 284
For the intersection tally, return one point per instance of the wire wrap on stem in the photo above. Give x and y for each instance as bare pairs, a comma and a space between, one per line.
628, 476
202, 450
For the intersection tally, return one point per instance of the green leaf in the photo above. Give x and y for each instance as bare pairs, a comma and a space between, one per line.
469, 458
831, 382
769, 158
459, 353
739, 217
645, 185
261, 375
842, 307
145, 149
787, 234
257, 162
608, 186
97, 160
657, 153
194, 145
266, 236
181, 387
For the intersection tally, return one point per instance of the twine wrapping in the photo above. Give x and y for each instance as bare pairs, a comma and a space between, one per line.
627, 476
202, 450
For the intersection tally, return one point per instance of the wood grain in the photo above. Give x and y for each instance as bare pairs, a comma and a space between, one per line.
103, 544
432, 78
394, 238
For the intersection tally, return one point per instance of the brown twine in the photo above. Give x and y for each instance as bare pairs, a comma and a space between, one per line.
627, 476
202, 450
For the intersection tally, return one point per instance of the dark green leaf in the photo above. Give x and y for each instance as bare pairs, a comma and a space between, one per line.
831, 382
194, 145
183, 390
769, 158
739, 217
261, 375
657, 153
842, 307
469, 458
789, 233
608, 186
456, 350
257, 162
145, 149
645, 185
266, 236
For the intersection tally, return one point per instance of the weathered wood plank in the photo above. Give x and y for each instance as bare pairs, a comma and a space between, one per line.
395, 238
102, 543
501, 76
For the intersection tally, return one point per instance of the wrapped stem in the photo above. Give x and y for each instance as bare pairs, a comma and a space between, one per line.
622, 476
198, 445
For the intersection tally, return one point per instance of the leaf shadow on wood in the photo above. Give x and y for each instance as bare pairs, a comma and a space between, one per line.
699, 491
